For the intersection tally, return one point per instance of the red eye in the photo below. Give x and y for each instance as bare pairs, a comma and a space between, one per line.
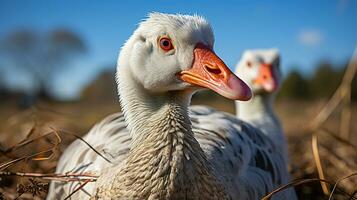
249, 64
165, 44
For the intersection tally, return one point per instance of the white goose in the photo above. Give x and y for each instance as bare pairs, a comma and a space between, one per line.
163, 156
260, 69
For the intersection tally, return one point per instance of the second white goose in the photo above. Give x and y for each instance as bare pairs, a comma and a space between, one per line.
260, 69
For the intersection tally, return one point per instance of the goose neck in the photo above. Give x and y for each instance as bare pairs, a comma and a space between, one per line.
165, 160
260, 106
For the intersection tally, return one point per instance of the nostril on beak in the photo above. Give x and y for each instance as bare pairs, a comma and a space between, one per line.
216, 71
264, 77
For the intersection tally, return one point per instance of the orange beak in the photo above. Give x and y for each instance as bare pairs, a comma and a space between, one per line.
209, 71
266, 78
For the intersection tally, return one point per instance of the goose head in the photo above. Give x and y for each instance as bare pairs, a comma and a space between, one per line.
260, 69
174, 53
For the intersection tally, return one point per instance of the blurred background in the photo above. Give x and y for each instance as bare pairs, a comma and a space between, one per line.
58, 59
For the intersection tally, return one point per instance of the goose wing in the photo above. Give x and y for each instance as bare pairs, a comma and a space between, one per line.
242, 154
110, 138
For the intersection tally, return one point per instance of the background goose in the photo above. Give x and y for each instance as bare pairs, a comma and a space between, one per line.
260, 69
162, 156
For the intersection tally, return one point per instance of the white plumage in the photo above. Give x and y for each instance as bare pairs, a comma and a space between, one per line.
154, 150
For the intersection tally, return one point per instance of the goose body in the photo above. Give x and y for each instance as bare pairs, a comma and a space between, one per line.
157, 150
239, 151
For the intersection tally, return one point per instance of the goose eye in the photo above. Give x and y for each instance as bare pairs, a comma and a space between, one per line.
165, 44
249, 64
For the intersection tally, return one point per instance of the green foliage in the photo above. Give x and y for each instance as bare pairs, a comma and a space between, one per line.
322, 84
295, 86
326, 80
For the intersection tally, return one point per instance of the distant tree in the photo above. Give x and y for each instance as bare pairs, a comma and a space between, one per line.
2, 84
42, 56
103, 88
295, 86
325, 80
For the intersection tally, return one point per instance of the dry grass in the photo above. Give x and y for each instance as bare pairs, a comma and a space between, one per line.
294, 115
321, 135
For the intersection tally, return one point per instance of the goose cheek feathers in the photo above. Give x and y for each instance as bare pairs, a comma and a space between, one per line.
155, 70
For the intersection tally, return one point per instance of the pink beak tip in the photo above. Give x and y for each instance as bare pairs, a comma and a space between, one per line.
240, 88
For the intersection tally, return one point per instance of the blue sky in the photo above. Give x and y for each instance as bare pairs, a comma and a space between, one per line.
304, 31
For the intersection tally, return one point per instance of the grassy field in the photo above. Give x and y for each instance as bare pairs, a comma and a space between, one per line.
78, 117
